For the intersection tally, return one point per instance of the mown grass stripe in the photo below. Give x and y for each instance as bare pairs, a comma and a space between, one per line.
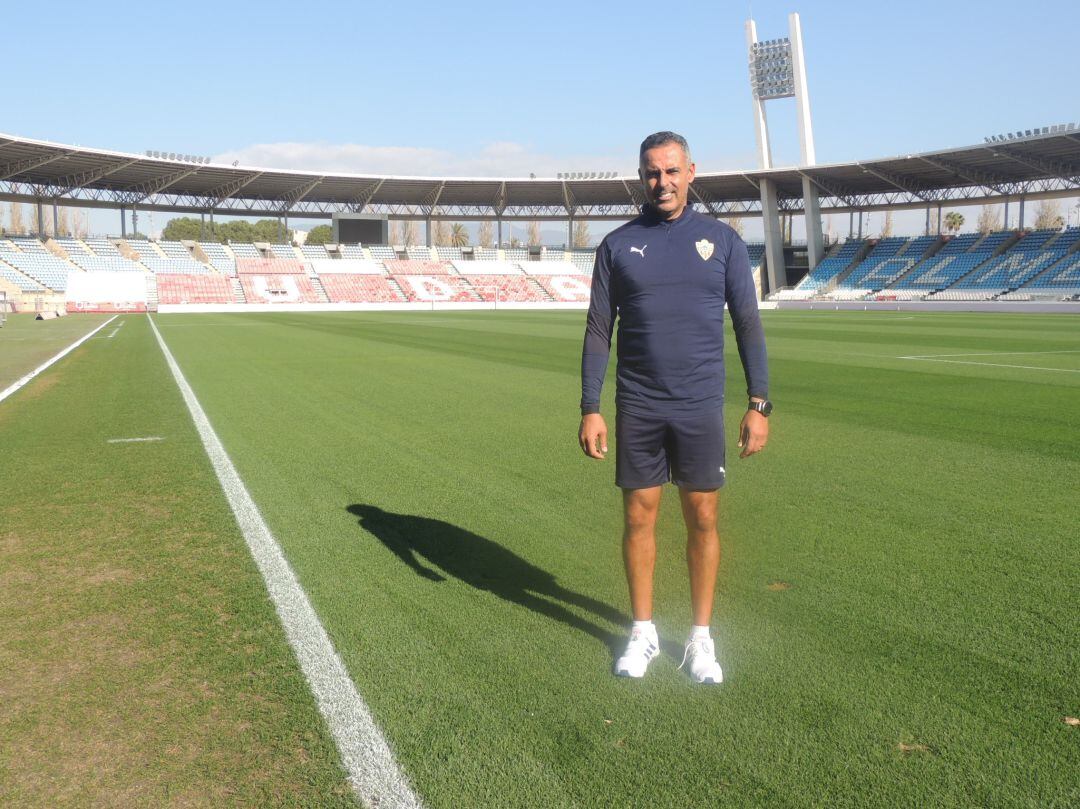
366, 756
10, 389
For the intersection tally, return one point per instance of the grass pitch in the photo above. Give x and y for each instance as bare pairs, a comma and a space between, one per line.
897, 607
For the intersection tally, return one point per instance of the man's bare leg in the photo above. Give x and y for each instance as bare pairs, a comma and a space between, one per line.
702, 550
640, 507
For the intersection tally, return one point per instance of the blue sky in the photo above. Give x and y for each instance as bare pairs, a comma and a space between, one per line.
481, 88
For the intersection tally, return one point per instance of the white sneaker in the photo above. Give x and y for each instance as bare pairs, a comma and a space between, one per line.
642, 648
701, 655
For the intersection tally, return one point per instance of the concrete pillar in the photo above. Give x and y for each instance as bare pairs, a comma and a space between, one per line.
774, 237
1020, 225
427, 231
55, 219
498, 232
939, 219
202, 226
134, 221
860, 224
40, 219
570, 233
123, 223
815, 243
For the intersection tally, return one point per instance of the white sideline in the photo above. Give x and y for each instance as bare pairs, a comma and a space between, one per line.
10, 389
364, 752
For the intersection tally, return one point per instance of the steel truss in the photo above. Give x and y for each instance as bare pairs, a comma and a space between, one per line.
77, 191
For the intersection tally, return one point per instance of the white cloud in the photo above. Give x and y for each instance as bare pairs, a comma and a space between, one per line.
497, 159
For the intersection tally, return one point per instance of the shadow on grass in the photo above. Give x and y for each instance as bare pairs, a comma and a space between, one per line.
425, 544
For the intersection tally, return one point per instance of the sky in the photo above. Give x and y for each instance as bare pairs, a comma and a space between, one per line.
490, 89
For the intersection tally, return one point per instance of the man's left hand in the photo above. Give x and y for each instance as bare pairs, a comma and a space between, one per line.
753, 433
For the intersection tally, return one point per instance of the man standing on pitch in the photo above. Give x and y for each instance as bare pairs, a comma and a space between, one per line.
666, 277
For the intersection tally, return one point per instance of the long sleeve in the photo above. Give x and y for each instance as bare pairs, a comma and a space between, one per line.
746, 319
598, 327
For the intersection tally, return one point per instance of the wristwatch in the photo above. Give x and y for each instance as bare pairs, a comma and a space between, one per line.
764, 408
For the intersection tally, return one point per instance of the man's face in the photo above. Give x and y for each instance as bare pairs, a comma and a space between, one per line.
666, 176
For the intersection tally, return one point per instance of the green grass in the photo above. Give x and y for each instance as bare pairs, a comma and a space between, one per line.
26, 343
141, 663
897, 606
922, 513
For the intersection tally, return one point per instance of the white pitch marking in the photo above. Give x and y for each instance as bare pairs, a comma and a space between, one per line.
10, 389
994, 364
990, 354
134, 440
364, 752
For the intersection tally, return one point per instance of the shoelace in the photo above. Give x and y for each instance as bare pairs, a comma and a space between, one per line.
700, 644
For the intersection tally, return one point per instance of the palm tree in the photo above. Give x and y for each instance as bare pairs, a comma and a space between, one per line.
459, 236
954, 220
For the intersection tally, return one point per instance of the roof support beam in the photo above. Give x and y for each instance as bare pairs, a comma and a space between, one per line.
136, 194
364, 199
706, 199
224, 192
991, 181
1062, 171
298, 193
835, 191
897, 181
74, 181
11, 169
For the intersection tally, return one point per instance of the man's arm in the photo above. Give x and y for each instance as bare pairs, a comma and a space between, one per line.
592, 434
750, 339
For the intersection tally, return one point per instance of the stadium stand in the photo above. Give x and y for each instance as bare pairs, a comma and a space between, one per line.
314, 251
355, 251
22, 282
271, 266
115, 263
198, 288
417, 267
883, 251
353, 266
485, 254
516, 254
244, 250
550, 267
277, 287
583, 259
443, 288
512, 288
283, 251
220, 258
1011, 269
824, 273
418, 253
566, 288
553, 254
38, 264
72, 246
486, 267
756, 250
101, 247
449, 253
144, 248
380, 252
356, 288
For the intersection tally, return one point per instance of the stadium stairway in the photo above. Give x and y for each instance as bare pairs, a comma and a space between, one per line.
543, 293
931, 251
839, 278
151, 293
238, 290
394, 285
1005, 245
320, 290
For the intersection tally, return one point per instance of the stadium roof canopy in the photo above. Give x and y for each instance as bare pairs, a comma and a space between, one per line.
1039, 165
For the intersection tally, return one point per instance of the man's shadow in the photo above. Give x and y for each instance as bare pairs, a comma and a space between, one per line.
485, 565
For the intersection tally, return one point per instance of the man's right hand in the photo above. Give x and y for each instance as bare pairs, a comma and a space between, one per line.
592, 436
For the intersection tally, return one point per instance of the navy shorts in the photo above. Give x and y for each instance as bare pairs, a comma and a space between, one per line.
650, 450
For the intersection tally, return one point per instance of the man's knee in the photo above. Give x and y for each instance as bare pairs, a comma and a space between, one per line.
640, 507
699, 512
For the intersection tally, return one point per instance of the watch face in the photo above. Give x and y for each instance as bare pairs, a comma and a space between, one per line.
766, 408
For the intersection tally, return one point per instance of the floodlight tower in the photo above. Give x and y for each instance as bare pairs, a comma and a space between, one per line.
778, 70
